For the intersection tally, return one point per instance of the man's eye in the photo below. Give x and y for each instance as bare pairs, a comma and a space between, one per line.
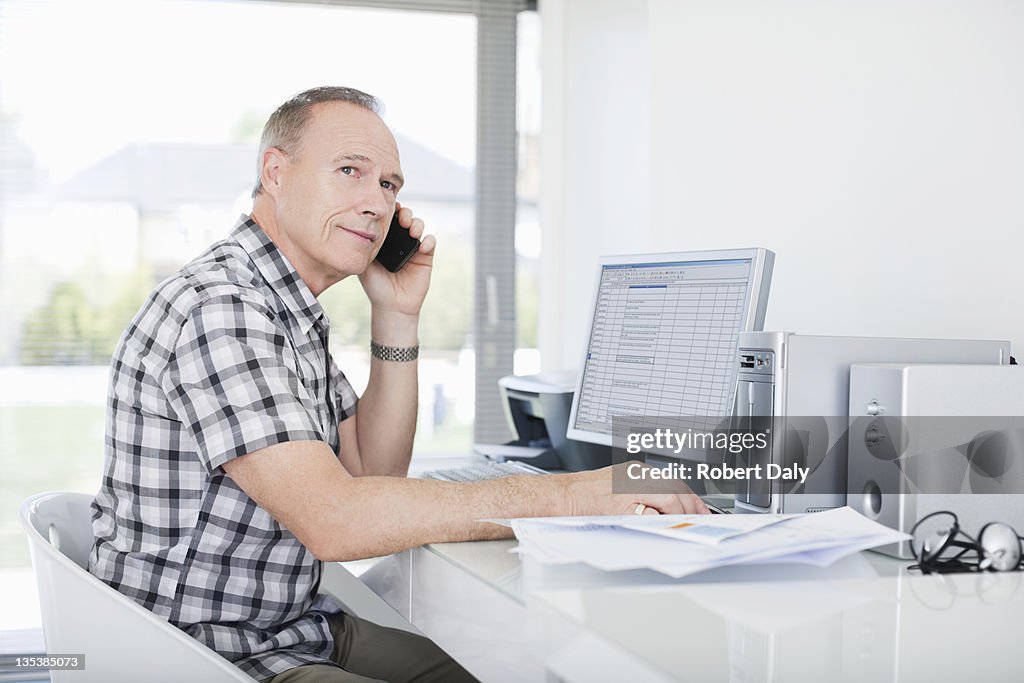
387, 185
347, 170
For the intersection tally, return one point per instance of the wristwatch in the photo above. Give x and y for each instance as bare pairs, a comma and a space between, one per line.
401, 354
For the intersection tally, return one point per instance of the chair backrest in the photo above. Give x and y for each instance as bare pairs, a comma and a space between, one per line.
64, 520
121, 640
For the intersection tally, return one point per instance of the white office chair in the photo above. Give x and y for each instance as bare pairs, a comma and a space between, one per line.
121, 640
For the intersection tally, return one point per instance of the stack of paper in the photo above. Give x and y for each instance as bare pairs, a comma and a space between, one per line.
680, 545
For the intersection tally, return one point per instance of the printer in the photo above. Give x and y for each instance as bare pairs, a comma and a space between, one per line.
537, 409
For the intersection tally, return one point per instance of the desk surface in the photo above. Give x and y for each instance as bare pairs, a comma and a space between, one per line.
866, 619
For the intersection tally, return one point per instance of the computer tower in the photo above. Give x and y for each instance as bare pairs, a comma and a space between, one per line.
801, 382
925, 438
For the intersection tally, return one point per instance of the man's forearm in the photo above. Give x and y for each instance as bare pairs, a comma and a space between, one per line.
387, 410
383, 515
340, 517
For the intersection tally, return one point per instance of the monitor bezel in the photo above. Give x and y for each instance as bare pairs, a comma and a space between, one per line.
759, 283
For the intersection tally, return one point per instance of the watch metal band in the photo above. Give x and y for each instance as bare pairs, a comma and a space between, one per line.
401, 354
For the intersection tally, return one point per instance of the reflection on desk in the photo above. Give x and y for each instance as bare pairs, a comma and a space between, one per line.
865, 619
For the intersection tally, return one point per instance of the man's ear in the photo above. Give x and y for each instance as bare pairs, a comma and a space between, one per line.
273, 165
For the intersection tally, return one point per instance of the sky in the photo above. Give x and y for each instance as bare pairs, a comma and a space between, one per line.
83, 79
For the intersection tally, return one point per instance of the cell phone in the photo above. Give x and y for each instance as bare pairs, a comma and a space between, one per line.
398, 247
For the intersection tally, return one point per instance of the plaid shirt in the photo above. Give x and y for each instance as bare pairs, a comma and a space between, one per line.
226, 357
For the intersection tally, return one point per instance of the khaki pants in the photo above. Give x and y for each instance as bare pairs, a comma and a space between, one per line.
369, 653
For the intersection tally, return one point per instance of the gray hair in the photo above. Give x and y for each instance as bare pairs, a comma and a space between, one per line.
285, 126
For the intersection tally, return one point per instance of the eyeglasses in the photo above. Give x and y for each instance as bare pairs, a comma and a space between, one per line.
997, 547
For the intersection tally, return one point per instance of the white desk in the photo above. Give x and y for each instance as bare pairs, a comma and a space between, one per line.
863, 620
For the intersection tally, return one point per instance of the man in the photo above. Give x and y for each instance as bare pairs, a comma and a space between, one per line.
236, 461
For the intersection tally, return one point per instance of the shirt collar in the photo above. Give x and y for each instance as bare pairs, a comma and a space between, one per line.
279, 273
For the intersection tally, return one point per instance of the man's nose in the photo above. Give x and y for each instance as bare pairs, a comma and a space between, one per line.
373, 199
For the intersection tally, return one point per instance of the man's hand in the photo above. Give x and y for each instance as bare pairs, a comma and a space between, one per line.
402, 292
590, 493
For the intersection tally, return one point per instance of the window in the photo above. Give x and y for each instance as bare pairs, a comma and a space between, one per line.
123, 154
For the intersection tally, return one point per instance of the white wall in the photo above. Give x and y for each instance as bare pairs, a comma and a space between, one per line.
877, 146
595, 157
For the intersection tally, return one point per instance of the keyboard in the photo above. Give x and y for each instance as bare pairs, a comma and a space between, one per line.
482, 471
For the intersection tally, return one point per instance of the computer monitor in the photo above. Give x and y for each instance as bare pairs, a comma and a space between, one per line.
663, 336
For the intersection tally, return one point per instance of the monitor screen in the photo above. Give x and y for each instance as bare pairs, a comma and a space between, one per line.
663, 336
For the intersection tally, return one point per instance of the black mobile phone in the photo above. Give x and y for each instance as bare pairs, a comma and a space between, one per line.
398, 247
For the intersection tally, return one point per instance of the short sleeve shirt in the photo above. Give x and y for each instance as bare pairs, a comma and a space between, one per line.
228, 356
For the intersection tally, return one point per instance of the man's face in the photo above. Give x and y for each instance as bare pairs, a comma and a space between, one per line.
336, 193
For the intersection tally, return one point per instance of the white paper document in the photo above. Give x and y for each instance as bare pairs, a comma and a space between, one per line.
706, 529
680, 545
